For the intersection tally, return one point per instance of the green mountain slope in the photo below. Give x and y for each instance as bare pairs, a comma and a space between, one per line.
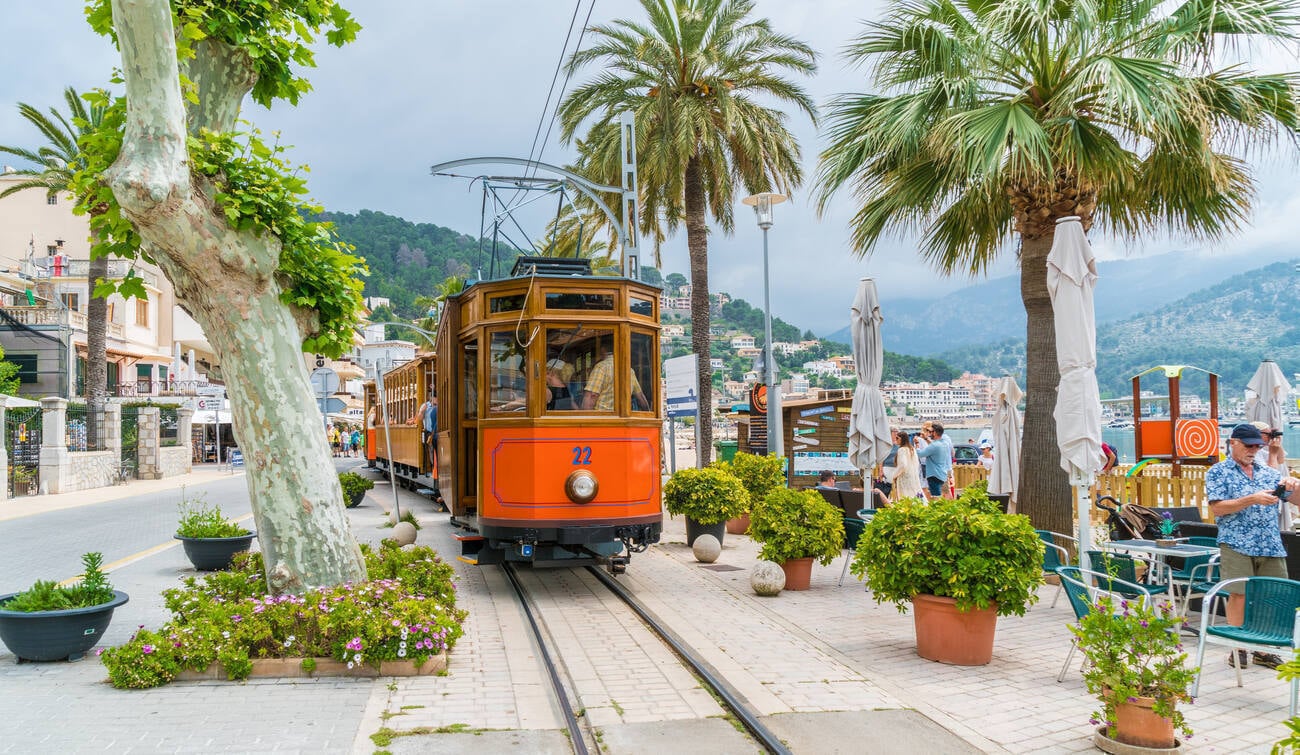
409, 259
1226, 328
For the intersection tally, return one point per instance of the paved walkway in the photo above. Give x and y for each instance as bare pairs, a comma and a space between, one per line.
817, 663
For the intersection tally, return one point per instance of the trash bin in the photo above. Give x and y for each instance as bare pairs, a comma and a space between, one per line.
726, 449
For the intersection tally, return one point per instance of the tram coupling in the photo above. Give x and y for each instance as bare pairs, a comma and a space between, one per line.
618, 564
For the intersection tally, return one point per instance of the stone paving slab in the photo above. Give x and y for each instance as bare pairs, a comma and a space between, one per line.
880, 732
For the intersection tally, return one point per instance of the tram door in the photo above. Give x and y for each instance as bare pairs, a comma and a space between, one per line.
467, 461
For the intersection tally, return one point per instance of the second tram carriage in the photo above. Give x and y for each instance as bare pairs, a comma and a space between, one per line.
549, 422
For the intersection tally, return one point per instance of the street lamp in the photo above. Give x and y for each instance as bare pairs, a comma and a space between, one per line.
762, 204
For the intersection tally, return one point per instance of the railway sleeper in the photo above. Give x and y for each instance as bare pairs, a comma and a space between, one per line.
562, 546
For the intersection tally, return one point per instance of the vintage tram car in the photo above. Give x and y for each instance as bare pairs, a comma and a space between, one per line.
549, 420
394, 432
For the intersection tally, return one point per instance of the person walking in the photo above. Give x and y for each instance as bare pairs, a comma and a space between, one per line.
906, 481
937, 458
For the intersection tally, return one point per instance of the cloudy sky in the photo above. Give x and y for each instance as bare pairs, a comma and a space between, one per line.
427, 82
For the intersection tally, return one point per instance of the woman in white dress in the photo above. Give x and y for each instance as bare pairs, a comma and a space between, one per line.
907, 470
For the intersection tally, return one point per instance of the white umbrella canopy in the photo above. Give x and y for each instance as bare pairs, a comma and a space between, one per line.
1266, 395
1004, 478
1071, 278
869, 440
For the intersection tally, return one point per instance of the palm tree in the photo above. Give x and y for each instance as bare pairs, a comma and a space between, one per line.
999, 118
55, 165
692, 74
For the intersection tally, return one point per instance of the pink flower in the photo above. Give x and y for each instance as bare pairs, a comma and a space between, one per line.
147, 649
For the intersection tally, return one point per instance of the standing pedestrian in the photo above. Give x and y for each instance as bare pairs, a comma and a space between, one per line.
937, 457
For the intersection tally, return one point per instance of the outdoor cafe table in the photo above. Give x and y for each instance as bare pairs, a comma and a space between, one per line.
1160, 553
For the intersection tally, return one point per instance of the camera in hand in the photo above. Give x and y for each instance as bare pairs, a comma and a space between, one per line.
1281, 493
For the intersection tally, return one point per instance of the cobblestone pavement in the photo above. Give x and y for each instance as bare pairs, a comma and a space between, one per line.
809, 653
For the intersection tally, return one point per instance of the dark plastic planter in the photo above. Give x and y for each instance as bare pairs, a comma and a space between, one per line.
694, 529
215, 553
55, 635
356, 499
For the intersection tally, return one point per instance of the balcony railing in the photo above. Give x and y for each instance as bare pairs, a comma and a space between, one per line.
116, 269
147, 387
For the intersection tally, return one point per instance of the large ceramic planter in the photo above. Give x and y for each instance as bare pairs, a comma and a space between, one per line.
1136, 723
215, 553
798, 573
944, 634
55, 635
356, 499
739, 525
694, 529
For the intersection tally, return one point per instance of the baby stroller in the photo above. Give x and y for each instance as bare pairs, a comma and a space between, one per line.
1130, 521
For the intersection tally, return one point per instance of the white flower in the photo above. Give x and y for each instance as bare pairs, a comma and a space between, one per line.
292, 639
401, 645
226, 635
357, 657
349, 664
401, 652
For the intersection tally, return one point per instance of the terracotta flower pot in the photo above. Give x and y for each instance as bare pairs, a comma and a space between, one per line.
1136, 723
739, 525
798, 573
944, 634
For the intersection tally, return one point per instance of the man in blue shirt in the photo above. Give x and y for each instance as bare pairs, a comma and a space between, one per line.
1240, 492
937, 458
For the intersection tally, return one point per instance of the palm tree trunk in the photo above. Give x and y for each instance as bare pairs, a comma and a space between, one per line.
1044, 486
697, 244
96, 352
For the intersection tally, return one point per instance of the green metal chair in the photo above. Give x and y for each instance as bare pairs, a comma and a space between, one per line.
1055, 556
1193, 566
1124, 570
1201, 579
1271, 622
1083, 588
853, 528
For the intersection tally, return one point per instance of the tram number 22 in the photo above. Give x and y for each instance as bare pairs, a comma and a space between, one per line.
581, 455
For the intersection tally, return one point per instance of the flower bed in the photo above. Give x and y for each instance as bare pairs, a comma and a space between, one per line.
405, 612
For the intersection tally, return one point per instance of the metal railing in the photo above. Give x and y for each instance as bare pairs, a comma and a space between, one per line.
116, 269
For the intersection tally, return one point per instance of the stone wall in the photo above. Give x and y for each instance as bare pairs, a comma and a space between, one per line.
90, 469
174, 460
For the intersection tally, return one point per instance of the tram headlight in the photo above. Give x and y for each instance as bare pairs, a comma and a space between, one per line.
581, 486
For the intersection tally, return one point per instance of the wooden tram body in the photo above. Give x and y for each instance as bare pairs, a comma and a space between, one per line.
549, 417
532, 462
406, 387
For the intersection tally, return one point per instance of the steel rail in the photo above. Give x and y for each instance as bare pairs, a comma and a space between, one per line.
733, 701
570, 720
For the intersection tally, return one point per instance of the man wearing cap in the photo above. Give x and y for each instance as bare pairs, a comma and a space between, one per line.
1240, 492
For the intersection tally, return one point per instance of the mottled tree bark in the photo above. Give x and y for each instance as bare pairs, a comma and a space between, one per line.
697, 244
227, 281
96, 351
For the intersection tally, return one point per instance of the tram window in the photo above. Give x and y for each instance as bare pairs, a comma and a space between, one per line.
469, 380
511, 303
507, 383
597, 302
642, 307
580, 373
644, 373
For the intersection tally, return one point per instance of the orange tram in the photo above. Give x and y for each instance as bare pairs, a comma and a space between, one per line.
548, 438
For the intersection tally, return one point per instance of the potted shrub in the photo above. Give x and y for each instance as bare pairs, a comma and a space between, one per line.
960, 563
211, 541
760, 475
50, 622
1137, 669
796, 527
354, 488
707, 498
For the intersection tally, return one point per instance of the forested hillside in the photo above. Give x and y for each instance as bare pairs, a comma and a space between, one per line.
1226, 328
409, 259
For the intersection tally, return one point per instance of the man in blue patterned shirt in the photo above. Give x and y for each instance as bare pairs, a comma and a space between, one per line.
1240, 492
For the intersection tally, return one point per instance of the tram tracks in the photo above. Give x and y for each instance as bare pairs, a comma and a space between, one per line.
722, 691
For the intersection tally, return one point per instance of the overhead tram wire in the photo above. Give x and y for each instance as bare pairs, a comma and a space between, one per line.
546, 106
567, 75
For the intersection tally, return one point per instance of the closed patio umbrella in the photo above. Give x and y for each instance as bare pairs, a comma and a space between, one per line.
869, 440
1004, 478
1266, 395
1071, 278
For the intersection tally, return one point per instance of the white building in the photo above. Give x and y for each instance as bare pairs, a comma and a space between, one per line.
939, 401
786, 348
716, 364
822, 367
742, 342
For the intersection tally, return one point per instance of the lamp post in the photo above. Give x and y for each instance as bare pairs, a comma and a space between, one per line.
762, 204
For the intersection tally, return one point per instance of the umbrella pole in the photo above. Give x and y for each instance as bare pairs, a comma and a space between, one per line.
1082, 485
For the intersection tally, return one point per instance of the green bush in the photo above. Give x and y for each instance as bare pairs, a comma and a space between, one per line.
198, 519
708, 495
797, 524
963, 549
407, 610
354, 486
759, 474
93, 590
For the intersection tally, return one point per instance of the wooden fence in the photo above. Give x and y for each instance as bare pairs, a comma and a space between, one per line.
1153, 486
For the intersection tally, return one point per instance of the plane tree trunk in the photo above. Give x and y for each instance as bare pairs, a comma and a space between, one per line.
226, 280
96, 352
